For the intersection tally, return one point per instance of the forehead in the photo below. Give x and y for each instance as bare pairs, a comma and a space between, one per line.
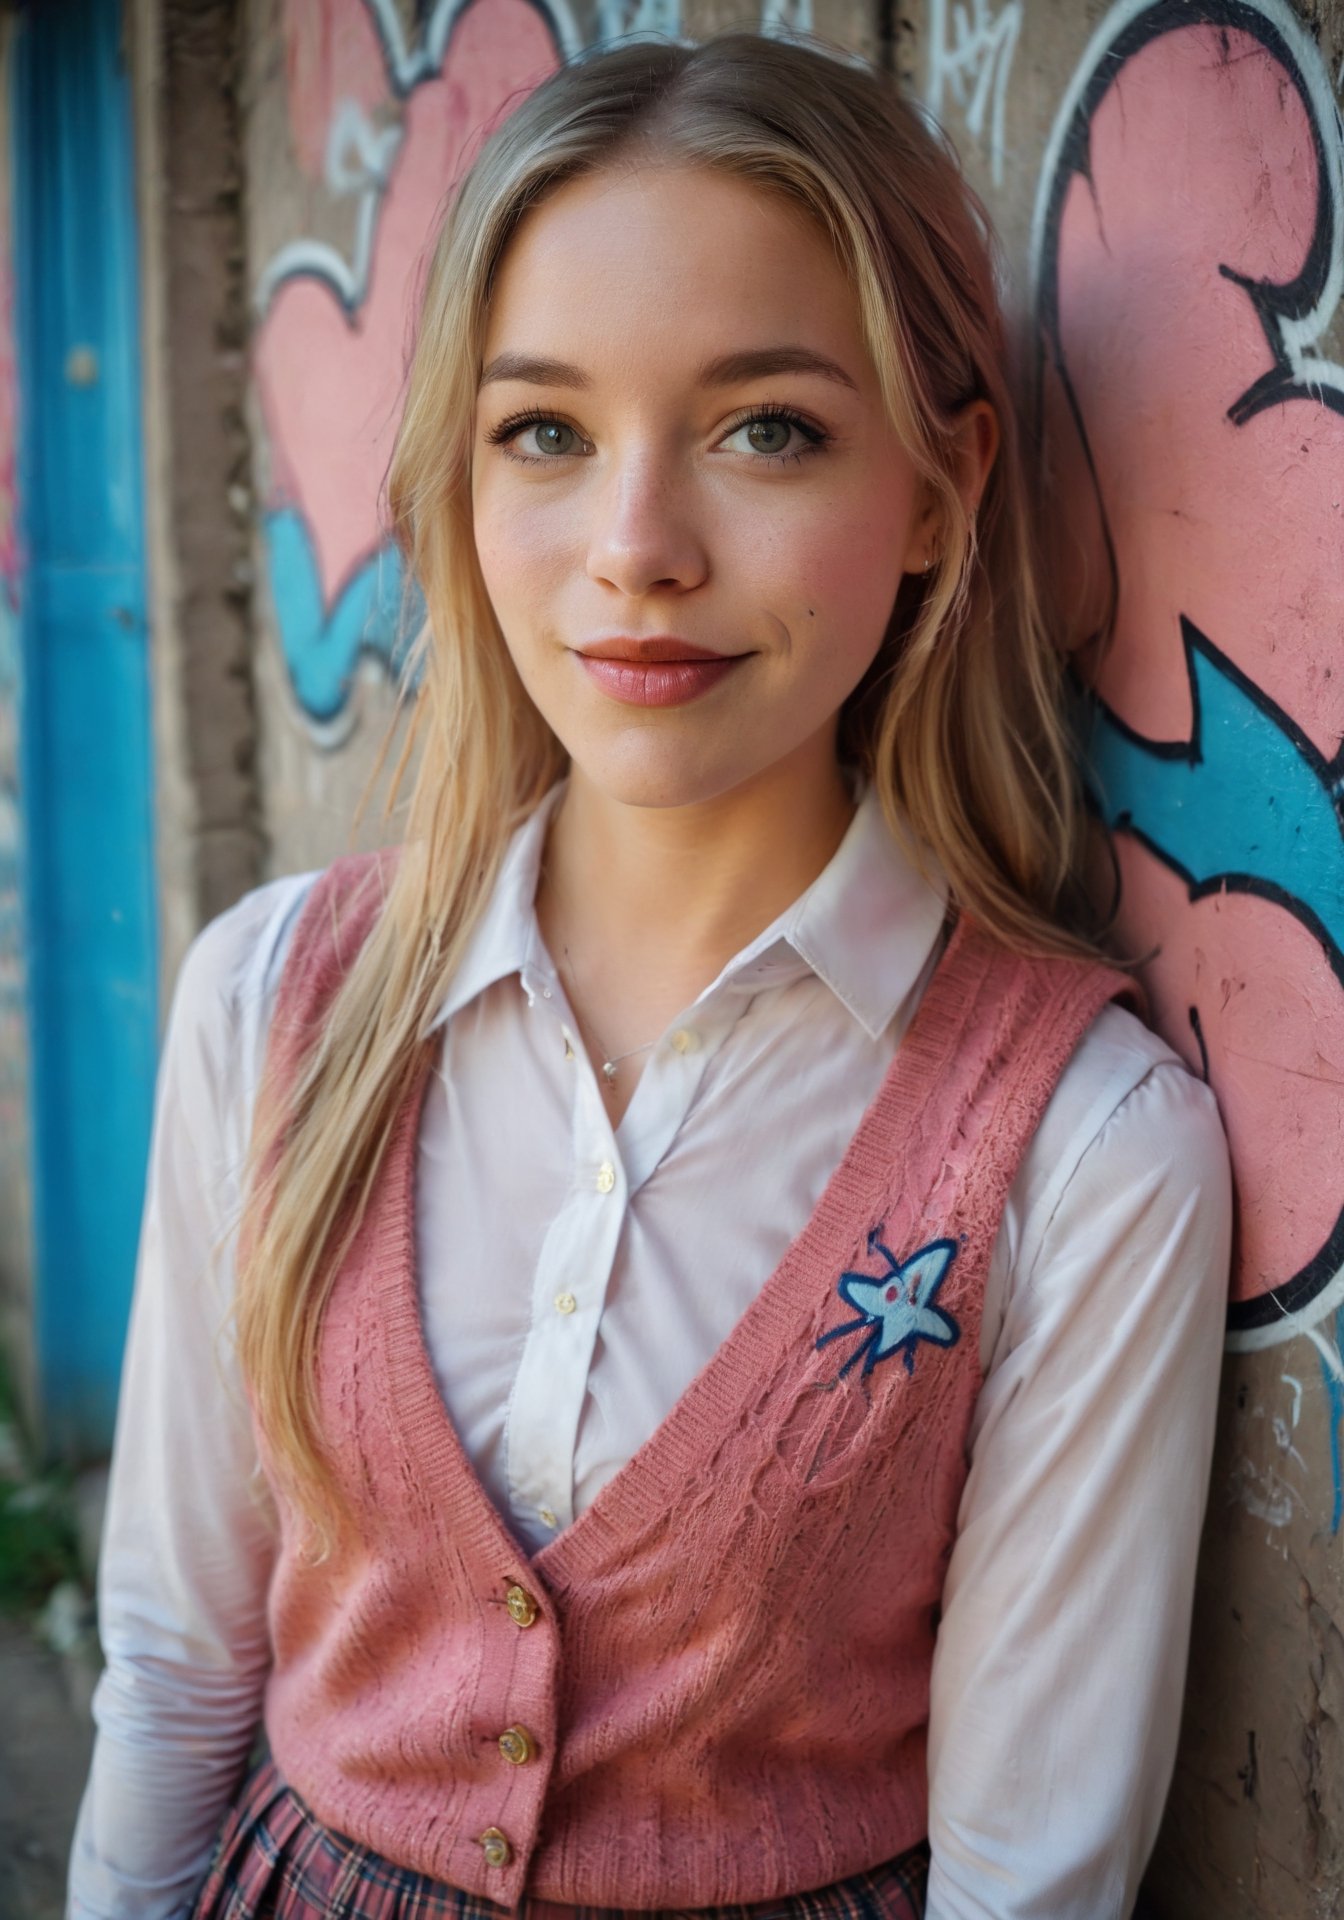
667, 266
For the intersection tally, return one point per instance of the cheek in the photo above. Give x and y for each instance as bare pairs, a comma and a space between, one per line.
523, 548
844, 565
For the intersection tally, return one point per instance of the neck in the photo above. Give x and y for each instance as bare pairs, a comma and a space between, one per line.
668, 894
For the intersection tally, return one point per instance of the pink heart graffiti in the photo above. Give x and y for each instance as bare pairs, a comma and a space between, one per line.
330, 381
1188, 248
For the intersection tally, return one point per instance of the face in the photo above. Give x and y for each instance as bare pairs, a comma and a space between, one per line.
691, 512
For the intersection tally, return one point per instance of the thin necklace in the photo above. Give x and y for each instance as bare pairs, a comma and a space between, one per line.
610, 1061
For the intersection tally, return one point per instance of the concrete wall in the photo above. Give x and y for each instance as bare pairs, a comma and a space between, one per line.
16, 1336
1167, 181
198, 461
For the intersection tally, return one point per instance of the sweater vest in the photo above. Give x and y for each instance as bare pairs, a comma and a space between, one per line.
712, 1687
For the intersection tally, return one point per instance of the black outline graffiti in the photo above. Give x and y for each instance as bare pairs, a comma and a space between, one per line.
1329, 775
1276, 307
404, 73
348, 282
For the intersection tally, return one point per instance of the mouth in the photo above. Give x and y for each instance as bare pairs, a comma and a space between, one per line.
662, 671
658, 649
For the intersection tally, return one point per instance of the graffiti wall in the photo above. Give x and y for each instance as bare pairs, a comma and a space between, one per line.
1169, 180
1219, 715
387, 128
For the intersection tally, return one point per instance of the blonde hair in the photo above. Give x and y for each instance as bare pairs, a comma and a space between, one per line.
956, 723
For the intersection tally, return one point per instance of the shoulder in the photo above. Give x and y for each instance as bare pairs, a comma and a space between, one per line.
221, 1007
1127, 1118
224, 1000
1032, 1005
237, 975
321, 940
233, 965
241, 953
1117, 1058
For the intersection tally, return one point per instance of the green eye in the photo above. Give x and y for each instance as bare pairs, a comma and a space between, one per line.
769, 436
553, 436
777, 433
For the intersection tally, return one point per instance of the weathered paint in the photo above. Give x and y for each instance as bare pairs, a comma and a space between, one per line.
333, 69
330, 351
1186, 389
15, 1183
85, 755
1332, 1375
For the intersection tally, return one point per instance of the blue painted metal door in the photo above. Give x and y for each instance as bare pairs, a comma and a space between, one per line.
85, 727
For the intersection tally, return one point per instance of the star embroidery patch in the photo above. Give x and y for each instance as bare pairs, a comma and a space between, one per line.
895, 1308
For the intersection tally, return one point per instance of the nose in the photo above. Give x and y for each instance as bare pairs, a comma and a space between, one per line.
645, 533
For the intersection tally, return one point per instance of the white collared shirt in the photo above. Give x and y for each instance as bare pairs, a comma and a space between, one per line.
574, 1278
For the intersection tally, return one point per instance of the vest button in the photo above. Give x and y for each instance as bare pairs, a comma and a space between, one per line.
522, 1607
517, 1746
495, 1847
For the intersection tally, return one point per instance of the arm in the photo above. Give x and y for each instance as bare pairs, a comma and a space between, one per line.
1060, 1661
189, 1533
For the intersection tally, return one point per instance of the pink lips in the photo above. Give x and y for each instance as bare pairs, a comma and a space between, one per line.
658, 672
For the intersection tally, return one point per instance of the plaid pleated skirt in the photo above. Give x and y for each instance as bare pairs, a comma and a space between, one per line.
275, 1861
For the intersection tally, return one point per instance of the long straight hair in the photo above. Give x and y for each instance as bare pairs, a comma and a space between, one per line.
957, 723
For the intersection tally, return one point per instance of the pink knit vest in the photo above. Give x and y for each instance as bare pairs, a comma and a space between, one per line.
714, 1684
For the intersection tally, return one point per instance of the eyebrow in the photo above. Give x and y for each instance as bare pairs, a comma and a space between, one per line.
759, 361
536, 371
726, 370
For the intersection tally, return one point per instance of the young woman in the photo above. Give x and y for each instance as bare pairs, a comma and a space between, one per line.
718, 1361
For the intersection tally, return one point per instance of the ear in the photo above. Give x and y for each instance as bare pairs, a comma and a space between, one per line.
975, 432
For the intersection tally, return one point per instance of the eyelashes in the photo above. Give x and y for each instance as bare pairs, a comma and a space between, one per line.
815, 438
509, 428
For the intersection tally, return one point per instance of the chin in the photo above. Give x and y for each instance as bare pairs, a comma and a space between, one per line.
640, 772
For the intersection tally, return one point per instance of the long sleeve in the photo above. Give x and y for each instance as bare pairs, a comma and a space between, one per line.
188, 1537
1061, 1654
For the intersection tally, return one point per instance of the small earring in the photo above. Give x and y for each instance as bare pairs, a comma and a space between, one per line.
927, 564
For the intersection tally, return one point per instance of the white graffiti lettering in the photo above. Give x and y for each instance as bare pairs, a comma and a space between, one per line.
970, 57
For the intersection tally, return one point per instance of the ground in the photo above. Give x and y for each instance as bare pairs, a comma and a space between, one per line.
44, 1761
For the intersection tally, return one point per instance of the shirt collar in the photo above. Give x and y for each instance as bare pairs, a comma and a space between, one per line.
505, 938
866, 926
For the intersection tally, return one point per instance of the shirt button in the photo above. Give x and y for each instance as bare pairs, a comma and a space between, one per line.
546, 1517
521, 1606
569, 1048
685, 1041
496, 1848
606, 1177
517, 1746
565, 1303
